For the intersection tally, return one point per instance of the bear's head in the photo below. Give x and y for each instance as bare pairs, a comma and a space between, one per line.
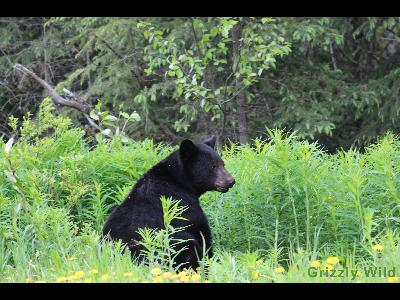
204, 166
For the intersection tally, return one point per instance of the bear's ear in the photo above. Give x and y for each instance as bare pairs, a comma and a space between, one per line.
187, 149
211, 141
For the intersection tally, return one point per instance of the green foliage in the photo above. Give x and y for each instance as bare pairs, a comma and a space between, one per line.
160, 245
204, 72
329, 79
293, 203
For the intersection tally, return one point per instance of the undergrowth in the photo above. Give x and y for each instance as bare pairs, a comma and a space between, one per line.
294, 206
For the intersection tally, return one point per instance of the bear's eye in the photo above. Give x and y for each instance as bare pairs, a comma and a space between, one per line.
214, 166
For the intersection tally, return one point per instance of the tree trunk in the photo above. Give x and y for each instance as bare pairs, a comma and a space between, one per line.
240, 97
46, 72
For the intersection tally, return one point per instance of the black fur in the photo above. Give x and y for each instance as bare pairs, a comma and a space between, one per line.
184, 175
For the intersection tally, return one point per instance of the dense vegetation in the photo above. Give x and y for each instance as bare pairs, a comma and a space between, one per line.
335, 80
294, 206
320, 192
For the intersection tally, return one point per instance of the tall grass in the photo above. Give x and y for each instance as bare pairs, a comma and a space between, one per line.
293, 203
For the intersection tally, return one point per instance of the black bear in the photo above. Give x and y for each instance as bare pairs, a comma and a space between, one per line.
184, 175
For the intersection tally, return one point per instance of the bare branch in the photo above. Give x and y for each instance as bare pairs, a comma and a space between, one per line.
82, 107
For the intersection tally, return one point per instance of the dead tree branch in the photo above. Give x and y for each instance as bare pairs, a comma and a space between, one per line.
84, 108
81, 106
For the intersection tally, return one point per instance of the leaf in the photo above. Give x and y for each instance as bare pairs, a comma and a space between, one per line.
106, 131
110, 118
93, 115
8, 146
10, 176
135, 116
125, 115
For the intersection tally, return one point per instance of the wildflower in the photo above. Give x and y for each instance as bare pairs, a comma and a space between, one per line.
377, 247
328, 267
79, 274
315, 264
156, 271
259, 262
127, 274
71, 258
358, 273
182, 274
167, 275
206, 281
62, 279
393, 279
358, 281
332, 260
330, 197
105, 277
28, 280
184, 278
255, 274
157, 279
41, 281
279, 270
70, 278
88, 280
93, 271
195, 277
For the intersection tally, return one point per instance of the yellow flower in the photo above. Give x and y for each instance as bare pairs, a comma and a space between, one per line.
174, 276
88, 280
79, 274
182, 274
41, 281
206, 281
377, 247
105, 277
62, 279
358, 281
156, 271
328, 267
93, 271
71, 258
72, 277
157, 279
315, 264
358, 273
195, 277
184, 278
393, 279
167, 275
127, 274
28, 280
259, 262
255, 274
333, 260
279, 270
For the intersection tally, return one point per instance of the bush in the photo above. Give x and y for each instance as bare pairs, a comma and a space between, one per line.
292, 201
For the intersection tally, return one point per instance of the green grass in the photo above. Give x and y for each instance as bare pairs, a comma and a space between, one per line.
292, 204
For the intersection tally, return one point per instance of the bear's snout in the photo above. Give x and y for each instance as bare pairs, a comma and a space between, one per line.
231, 183
224, 181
